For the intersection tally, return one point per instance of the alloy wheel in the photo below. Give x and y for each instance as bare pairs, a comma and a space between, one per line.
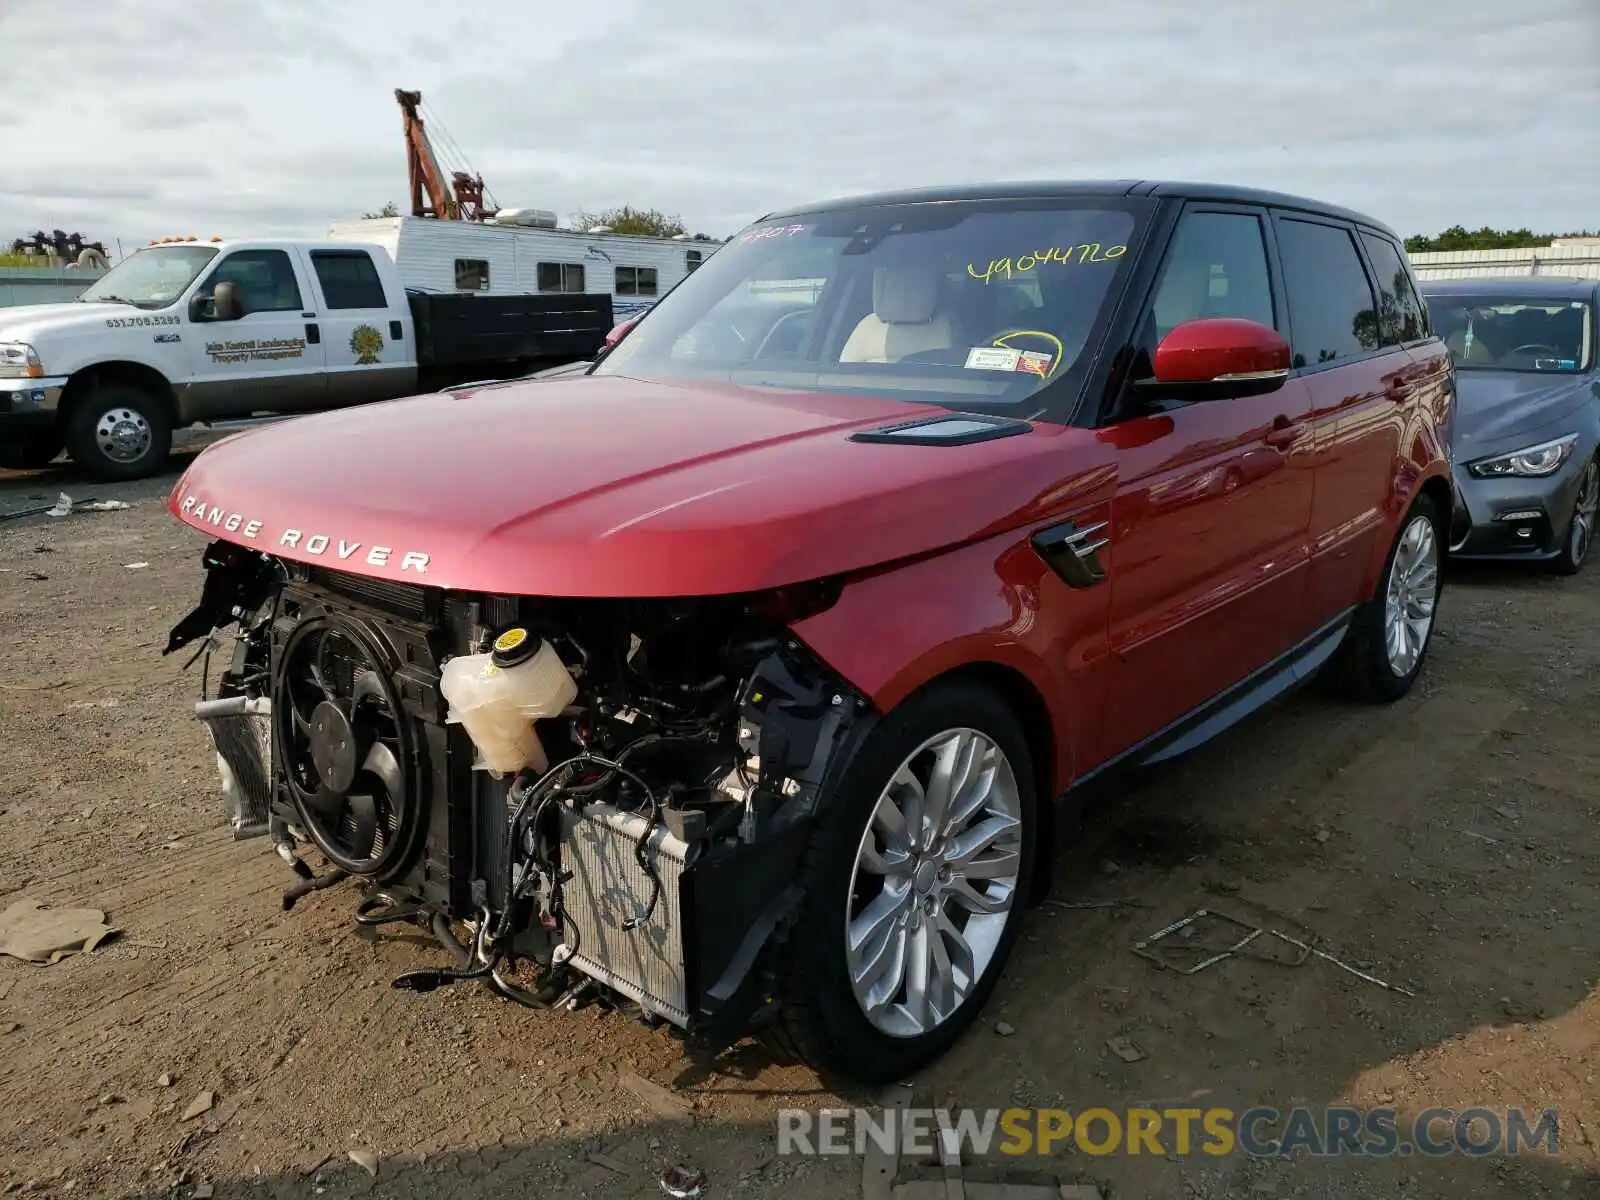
1586, 513
935, 878
1411, 595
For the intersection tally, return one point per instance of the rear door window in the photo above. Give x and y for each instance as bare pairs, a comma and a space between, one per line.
1332, 313
348, 279
1400, 316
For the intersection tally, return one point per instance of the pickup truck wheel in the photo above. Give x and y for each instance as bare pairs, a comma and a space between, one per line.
119, 432
1388, 641
31, 451
913, 881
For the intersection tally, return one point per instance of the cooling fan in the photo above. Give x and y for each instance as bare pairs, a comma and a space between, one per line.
343, 744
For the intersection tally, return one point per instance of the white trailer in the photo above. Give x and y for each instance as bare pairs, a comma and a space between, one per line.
1573, 258
522, 252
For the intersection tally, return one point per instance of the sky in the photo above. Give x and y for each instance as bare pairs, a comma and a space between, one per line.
132, 119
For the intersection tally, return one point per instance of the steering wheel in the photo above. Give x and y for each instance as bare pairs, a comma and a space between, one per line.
1535, 347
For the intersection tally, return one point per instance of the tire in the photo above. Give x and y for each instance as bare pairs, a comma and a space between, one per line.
820, 1021
31, 451
1581, 529
119, 432
1365, 668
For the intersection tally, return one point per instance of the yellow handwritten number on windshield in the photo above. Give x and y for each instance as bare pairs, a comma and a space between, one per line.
1008, 268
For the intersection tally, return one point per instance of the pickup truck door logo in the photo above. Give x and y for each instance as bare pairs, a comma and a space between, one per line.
365, 343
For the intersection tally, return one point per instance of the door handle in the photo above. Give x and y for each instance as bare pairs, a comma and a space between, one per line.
1283, 433
313, 335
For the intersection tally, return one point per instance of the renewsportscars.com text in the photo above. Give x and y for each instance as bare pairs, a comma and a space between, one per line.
1260, 1132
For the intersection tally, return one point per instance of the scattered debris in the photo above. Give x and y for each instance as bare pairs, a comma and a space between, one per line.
36, 934
166, 1080
1482, 837
663, 1101
36, 576
1147, 949
1004, 1028
1322, 835
682, 1183
203, 1191
61, 507
8, 1028
1126, 1049
200, 1106
109, 1099
100, 505
138, 566
1095, 903
609, 1163
366, 1160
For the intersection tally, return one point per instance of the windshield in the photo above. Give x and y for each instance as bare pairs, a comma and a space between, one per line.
151, 278
970, 304
1515, 333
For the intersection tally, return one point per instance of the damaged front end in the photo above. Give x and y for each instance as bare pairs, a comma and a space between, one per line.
577, 796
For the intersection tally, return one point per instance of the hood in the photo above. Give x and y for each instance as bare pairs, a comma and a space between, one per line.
606, 486
28, 321
1494, 407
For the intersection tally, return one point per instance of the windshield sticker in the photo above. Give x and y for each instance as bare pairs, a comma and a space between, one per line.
993, 358
1031, 358
767, 233
1008, 268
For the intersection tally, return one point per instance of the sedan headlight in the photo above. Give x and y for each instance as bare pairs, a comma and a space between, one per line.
1544, 459
18, 361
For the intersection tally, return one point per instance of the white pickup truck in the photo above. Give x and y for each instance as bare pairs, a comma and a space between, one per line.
188, 332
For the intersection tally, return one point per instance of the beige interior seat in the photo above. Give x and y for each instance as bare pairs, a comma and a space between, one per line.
905, 317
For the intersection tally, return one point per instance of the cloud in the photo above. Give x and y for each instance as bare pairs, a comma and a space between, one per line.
245, 118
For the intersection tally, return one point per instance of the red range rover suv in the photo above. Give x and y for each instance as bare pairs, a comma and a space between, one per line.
731, 681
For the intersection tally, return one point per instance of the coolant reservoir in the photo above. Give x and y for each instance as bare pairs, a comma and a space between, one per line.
498, 696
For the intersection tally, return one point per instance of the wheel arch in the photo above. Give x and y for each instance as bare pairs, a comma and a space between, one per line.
84, 382
1028, 705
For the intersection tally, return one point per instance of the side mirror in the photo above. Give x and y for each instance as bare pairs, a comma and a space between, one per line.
226, 304
618, 332
1219, 358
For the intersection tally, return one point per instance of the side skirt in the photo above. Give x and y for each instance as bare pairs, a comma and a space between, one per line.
1283, 674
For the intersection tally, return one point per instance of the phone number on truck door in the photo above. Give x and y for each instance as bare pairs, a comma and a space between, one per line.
125, 322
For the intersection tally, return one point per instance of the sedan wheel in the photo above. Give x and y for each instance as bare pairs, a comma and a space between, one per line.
934, 882
1585, 517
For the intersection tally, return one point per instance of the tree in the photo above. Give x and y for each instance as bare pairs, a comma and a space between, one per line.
388, 210
1458, 237
637, 222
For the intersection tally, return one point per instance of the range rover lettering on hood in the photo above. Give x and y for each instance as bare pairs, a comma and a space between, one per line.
305, 542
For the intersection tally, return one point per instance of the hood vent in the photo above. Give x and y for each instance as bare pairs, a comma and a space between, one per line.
945, 429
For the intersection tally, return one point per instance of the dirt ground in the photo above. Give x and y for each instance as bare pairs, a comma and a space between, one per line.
1450, 844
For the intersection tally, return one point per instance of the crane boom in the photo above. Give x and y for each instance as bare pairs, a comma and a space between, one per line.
463, 199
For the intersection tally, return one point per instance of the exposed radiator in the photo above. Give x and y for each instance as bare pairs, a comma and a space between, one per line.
241, 730
607, 887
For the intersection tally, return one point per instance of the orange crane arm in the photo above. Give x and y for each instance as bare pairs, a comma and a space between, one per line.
422, 166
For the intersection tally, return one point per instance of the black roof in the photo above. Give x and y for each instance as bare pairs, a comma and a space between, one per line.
1068, 189
1550, 287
